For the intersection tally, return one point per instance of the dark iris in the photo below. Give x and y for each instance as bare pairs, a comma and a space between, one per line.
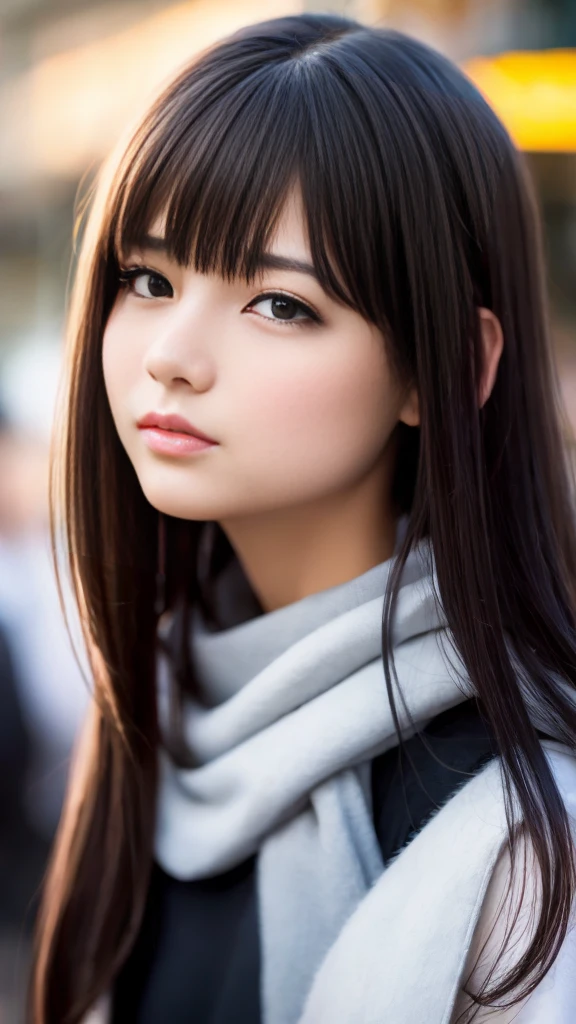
158, 286
284, 309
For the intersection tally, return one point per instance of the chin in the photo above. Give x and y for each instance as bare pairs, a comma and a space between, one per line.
182, 510
180, 506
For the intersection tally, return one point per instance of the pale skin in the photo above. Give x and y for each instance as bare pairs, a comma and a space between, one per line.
304, 412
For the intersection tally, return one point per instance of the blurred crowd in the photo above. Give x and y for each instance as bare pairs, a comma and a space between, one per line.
43, 693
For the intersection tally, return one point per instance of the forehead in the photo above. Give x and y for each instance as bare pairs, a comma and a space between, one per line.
288, 237
290, 234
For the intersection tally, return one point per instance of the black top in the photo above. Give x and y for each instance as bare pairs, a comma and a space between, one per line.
197, 956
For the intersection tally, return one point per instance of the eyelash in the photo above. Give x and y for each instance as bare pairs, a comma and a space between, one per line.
128, 274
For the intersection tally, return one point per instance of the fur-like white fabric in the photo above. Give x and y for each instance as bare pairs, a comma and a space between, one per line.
400, 956
279, 741
292, 709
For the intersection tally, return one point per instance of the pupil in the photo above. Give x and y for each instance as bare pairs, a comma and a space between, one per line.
156, 285
284, 309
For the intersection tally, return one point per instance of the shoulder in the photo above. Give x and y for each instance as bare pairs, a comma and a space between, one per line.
554, 998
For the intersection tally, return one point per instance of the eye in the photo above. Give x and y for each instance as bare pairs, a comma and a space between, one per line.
146, 283
283, 308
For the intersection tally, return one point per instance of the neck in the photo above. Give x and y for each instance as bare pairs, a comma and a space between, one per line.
290, 553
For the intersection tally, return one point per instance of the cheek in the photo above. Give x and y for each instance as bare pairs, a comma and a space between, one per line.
110, 361
119, 365
326, 421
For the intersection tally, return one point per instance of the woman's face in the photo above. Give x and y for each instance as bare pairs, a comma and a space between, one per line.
294, 387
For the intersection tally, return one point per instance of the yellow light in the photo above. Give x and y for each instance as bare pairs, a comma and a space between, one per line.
533, 93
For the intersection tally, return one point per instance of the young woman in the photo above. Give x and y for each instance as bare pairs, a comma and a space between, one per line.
320, 525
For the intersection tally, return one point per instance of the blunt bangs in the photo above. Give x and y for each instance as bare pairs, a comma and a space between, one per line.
217, 162
355, 124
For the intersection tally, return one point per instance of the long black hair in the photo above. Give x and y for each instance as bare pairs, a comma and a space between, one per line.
419, 211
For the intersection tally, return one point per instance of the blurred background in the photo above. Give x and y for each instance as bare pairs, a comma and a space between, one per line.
73, 74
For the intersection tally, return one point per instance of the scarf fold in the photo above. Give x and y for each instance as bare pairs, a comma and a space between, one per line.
402, 954
292, 708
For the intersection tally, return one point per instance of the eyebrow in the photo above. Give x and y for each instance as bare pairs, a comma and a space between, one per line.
266, 261
273, 261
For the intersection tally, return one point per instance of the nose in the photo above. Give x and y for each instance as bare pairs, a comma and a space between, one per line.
179, 353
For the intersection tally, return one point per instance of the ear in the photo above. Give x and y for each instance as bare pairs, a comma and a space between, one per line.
492, 345
410, 411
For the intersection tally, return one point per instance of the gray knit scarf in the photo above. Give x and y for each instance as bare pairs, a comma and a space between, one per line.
293, 707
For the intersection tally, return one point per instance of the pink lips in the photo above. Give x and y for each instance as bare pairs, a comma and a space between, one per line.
173, 422
172, 434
